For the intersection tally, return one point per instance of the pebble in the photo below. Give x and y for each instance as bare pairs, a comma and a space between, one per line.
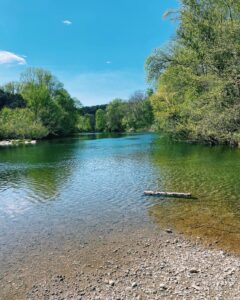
162, 287
194, 271
146, 269
111, 282
134, 284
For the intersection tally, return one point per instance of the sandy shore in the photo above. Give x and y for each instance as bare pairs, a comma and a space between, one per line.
156, 264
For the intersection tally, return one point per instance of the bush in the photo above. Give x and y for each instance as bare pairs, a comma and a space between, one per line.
20, 124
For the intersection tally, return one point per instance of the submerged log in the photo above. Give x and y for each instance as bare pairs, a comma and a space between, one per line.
168, 194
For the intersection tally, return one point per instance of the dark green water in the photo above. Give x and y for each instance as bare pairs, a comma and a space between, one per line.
77, 187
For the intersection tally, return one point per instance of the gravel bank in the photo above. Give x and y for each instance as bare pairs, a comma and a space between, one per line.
140, 265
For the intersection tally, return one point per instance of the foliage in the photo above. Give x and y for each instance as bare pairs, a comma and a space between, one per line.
100, 120
48, 109
92, 109
197, 80
10, 97
20, 123
86, 123
114, 115
49, 101
119, 115
138, 112
44, 98
68, 116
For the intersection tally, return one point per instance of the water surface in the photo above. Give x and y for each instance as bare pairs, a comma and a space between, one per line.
75, 188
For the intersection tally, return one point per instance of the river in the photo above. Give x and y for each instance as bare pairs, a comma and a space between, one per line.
82, 188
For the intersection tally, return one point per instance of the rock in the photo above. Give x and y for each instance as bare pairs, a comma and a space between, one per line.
194, 271
17, 142
196, 287
147, 272
163, 287
134, 284
169, 230
111, 282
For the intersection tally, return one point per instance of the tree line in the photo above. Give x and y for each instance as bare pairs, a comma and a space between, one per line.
197, 77
35, 107
39, 106
195, 83
135, 114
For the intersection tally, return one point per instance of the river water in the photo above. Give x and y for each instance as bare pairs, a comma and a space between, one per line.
77, 188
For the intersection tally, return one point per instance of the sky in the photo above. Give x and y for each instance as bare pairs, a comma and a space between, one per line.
97, 48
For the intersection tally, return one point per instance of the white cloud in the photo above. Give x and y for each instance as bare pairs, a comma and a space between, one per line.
10, 58
67, 22
108, 62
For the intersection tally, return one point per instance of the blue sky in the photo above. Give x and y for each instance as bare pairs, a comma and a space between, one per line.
96, 48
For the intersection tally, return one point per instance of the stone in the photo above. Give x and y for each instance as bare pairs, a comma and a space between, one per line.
163, 287
134, 284
111, 282
194, 271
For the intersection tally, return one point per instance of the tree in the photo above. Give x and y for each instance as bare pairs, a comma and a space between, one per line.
38, 87
48, 107
49, 101
68, 111
20, 123
86, 123
10, 96
138, 112
100, 120
114, 115
92, 109
197, 79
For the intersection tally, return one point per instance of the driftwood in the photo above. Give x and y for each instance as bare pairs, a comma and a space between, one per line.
168, 194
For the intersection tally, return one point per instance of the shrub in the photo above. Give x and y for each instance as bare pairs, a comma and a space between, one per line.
20, 124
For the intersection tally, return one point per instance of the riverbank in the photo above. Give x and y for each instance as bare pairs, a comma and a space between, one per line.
142, 264
160, 266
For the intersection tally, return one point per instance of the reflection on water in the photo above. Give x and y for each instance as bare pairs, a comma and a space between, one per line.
210, 174
33, 174
72, 188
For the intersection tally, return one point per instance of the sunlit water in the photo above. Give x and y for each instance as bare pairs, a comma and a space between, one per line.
77, 187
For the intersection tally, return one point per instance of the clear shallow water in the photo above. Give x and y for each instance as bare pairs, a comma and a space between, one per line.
79, 187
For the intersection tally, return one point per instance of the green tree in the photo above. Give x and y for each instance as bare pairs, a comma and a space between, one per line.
49, 101
100, 120
138, 112
114, 116
10, 96
68, 113
20, 123
86, 123
197, 78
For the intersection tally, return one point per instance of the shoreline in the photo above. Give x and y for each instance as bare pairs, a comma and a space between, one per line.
228, 144
132, 264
